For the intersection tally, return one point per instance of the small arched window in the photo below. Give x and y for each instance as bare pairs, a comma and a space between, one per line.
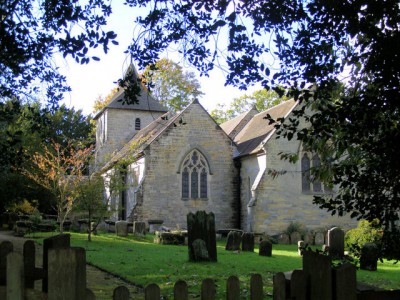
137, 124
194, 172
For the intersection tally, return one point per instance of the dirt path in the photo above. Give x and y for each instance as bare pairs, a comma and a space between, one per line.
101, 283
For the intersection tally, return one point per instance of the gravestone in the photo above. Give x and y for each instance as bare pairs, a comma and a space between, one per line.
336, 242
300, 247
233, 241
121, 228
202, 226
265, 248
248, 242
154, 225
139, 228
309, 238
317, 268
369, 257
283, 239
319, 238
295, 237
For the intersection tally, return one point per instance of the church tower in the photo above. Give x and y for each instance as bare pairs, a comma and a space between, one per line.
118, 122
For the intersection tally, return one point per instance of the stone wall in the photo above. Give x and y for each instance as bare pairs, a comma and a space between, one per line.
281, 200
162, 183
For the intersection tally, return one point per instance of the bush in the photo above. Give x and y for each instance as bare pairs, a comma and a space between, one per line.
366, 232
296, 227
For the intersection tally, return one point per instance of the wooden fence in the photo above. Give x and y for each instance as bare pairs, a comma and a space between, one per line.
63, 277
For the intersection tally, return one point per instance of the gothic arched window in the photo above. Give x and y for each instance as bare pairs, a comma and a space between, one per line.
194, 172
137, 124
305, 173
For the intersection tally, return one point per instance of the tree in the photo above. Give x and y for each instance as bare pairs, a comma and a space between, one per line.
31, 34
315, 44
261, 99
170, 85
102, 102
59, 170
90, 200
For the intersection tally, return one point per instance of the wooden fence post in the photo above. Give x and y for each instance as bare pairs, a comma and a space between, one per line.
121, 293
233, 288
279, 289
152, 292
29, 252
15, 277
180, 290
298, 285
67, 274
256, 287
208, 289
6, 247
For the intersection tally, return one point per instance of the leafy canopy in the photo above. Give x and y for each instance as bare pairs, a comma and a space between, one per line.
297, 44
33, 32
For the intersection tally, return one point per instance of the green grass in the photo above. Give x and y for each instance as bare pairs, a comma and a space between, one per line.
141, 262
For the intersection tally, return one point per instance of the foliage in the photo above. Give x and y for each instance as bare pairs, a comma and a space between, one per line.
309, 48
170, 85
260, 99
102, 102
90, 200
295, 227
31, 34
25, 128
366, 232
23, 207
59, 170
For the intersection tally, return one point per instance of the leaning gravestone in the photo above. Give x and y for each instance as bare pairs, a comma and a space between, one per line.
283, 239
369, 257
202, 226
248, 241
233, 241
265, 248
336, 242
121, 228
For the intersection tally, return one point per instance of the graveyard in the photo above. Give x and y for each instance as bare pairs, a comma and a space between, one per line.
140, 261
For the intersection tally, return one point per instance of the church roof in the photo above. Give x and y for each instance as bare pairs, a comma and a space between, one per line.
145, 101
233, 126
249, 139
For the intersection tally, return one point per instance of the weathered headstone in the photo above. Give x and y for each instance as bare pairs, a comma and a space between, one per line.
265, 248
59, 241
67, 274
295, 237
309, 238
345, 284
369, 257
202, 226
233, 241
283, 239
121, 228
317, 268
154, 225
336, 242
319, 238
139, 228
200, 250
300, 247
248, 242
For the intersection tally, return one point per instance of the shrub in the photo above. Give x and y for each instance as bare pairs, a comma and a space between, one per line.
366, 232
295, 227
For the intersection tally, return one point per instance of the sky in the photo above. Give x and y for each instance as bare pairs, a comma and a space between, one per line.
97, 78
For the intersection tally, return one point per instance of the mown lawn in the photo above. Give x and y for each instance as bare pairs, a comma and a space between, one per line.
142, 262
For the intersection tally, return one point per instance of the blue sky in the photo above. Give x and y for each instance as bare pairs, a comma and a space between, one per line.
96, 78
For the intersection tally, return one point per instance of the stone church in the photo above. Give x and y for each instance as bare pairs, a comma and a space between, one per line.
184, 162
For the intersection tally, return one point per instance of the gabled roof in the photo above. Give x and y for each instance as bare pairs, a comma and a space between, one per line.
232, 127
145, 101
250, 138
